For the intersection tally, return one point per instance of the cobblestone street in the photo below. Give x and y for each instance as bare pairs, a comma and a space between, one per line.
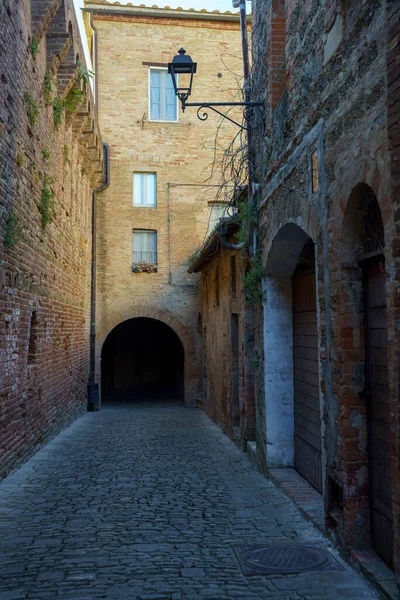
146, 503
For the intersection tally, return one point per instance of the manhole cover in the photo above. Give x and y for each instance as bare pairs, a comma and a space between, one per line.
283, 559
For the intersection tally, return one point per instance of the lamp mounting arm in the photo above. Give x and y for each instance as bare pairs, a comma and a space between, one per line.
203, 116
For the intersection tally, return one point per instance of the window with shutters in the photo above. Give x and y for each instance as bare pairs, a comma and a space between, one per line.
162, 99
144, 248
145, 189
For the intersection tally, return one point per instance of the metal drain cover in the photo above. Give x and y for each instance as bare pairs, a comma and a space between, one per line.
284, 559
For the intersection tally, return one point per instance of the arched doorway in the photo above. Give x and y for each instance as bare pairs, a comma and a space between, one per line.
363, 246
292, 391
142, 359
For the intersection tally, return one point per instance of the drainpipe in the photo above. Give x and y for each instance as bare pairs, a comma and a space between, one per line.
223, 237
93, 387
241, 4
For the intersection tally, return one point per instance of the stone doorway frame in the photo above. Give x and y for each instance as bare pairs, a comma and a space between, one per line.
280, 265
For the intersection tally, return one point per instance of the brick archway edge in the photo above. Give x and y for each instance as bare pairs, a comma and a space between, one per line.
191, 371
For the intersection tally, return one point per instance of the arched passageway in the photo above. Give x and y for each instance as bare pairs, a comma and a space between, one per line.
142, 359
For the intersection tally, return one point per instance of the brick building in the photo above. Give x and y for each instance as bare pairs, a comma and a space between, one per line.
161, 200
328, 401
227, 339
50, 161
327, 346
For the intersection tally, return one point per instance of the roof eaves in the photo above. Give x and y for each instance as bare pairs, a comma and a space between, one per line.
105, 7
211, 243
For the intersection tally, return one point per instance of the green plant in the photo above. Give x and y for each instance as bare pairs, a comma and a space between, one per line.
32, 108
83, 171
248, 216
46, 206
66, 153
46, 154
252, 280
47, 88
34, 47
58, 110
13, 230
74, 97
84, 74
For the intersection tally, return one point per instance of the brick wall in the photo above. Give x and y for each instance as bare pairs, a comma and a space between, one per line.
335, 103
227, 387
45, 270
276, 59
181, 155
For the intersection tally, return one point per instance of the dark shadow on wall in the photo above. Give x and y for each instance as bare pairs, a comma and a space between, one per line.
142, 360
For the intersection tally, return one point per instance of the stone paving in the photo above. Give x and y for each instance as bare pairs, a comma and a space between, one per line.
146, 503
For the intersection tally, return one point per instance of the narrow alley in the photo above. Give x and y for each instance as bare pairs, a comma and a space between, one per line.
149, 503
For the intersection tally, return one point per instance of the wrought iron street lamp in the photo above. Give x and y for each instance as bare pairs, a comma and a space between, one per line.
182, 68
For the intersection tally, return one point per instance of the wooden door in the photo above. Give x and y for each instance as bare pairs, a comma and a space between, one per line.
378, 410
307, 419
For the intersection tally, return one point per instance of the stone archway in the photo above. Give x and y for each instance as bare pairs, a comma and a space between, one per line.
142, 359
290, 432
183, 332
361, 357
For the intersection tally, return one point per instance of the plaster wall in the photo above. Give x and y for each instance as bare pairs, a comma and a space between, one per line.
278, 353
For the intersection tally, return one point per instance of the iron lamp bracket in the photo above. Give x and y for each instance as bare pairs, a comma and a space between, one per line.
202, 107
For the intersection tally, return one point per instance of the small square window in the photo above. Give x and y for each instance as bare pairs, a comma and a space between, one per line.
144, 189
314, 171
144, 248
163, 101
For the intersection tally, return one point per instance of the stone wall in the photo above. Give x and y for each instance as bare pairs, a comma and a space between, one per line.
393, 108
333, 107
129, 40
226, 397
47, 173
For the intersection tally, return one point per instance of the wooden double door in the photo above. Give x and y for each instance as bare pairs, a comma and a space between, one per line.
307, 417
377, 392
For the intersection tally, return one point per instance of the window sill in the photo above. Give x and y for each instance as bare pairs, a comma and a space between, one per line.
152, 206
144, 268
159, 121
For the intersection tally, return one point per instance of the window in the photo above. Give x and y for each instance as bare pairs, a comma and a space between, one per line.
163, 102
144, 247
144, 189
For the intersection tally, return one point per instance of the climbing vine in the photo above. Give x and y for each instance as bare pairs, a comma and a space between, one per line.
248, 218
252, 280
